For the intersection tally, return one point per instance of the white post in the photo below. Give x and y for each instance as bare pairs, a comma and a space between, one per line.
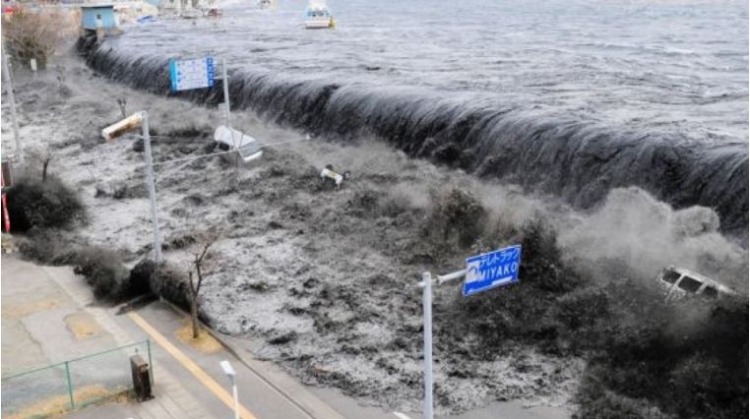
227, 114
236, 400
427, 313
9, 89
228, 117
151, 186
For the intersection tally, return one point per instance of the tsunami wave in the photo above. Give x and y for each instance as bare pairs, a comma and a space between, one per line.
580, 161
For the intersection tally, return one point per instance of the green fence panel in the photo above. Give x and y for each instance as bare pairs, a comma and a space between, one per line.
36, 392
55, 389
105, 374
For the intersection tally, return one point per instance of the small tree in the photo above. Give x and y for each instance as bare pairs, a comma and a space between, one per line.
199, 266
34, 35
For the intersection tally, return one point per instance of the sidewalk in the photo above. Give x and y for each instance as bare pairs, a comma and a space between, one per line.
49, 316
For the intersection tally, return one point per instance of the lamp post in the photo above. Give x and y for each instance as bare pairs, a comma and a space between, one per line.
119, 128
229, 371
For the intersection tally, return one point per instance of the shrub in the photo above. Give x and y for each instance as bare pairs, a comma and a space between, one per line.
104, 272
34, 34
139, 281
172, 284
45, 247
36, 203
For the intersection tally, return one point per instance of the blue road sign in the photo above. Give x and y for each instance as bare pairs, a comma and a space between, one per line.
490, 270
191, 74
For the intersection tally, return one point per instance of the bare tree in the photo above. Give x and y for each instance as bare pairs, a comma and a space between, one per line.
199, 266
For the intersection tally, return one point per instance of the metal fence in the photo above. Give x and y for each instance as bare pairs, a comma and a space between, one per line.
72, 384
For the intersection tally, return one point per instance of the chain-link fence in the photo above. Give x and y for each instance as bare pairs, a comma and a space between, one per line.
68, 385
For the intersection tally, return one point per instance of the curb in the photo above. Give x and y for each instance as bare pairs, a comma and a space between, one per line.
314, 408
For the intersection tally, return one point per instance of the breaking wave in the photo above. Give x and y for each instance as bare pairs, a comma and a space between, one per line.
577, 160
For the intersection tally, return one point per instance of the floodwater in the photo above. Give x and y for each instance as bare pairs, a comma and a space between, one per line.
565, 98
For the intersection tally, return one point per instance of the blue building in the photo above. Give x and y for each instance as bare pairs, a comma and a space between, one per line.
105, 13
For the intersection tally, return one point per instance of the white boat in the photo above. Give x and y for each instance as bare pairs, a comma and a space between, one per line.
266, 4
318, 16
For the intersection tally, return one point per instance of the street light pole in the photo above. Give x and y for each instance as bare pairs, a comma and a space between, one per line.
119, 128
236, 401
229, 371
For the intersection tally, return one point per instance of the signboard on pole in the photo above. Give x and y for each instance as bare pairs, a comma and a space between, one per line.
490, 270
191, 74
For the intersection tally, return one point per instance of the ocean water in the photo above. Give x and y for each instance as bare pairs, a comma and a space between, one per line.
672, 65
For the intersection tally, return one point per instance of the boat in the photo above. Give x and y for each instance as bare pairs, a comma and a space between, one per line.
318, 16
266, 4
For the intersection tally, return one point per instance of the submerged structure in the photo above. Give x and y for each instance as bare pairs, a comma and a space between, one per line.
99, 19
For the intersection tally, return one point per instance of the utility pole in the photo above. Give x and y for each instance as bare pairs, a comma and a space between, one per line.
9, 89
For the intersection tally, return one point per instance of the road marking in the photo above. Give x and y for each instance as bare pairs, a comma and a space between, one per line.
191, 366
400, 415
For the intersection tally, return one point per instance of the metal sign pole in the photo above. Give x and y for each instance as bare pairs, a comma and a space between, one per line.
426, 285
151, 186
427, 314
225, 82
228, 114
9, 89
483, 272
